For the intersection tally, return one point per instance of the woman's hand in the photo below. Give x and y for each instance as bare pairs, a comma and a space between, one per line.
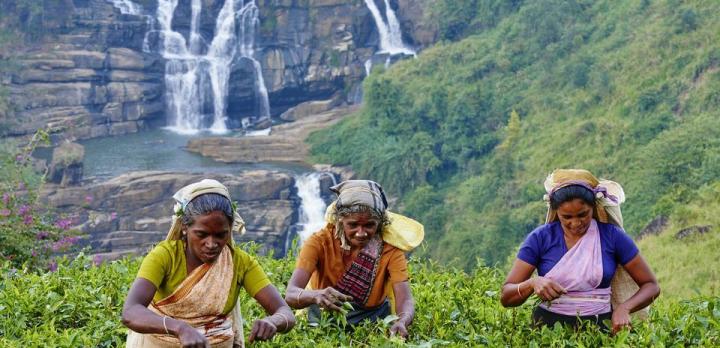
262, 329
330, 298
191, 338
620, 319
546, 288
399, 328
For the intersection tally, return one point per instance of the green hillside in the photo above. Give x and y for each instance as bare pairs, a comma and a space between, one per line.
628, 89
687, 266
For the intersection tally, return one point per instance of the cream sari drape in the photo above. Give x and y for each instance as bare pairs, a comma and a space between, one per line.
199, 301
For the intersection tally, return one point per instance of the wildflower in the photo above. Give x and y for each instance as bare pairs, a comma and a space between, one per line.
6, 198
34, 253
52, 266
97, 259
42, 235
28, 220
5, 212
21, 185
19, 158
64, 243
63, 223
88, 199
113, 216
24, 209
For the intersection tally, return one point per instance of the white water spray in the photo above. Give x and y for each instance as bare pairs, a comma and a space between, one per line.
390, 33
192, 77
312, 207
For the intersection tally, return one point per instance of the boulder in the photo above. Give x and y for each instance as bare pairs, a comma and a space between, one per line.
66, 167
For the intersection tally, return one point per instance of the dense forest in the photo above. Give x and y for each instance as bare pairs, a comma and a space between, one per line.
466, 133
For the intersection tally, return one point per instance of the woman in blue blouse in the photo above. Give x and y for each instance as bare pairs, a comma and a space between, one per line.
576, 254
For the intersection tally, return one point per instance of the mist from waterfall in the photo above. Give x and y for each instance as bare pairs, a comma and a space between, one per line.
312, 207
197, 73
390, 32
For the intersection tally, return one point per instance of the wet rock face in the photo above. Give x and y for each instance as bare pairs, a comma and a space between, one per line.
129, 213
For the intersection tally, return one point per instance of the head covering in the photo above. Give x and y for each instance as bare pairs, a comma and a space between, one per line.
608, 194
401, 232
360, 192
188, 193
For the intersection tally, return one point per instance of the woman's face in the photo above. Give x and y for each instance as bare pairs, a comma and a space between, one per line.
208, 236
575, 216
359, 228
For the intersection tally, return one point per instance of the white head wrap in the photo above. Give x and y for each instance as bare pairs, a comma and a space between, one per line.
188, 193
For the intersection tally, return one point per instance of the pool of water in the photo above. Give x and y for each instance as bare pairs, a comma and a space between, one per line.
157, 149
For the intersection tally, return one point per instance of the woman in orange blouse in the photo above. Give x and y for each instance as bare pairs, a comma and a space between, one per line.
350, 261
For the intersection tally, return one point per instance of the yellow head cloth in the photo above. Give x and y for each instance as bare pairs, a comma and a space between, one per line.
607, 207
188, 193
403, 232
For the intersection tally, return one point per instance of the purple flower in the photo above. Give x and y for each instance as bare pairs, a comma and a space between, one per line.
97, 259
113, 216
5, 212
52, 266
24, 209
28, 220
19, 158
88, 199
6, 198
21, 185
63, 223
42, 235
34, 253
64, 243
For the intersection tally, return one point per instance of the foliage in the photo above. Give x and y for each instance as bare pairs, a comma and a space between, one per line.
685, 266
627, 89
29, 235
80, 305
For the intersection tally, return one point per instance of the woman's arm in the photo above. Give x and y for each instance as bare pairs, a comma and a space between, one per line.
404, 307
649, 290
137, 317
281, 317
298, 297
519, 286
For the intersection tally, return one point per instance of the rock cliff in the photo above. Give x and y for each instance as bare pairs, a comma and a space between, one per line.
93, 79
127, 214
88, 79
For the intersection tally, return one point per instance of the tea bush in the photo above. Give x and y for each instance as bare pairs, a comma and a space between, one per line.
80, 304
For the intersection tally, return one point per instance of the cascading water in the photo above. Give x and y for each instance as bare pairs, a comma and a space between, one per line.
196, 83
127, 7
390, 34
312, 207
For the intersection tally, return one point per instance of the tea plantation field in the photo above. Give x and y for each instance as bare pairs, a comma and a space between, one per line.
79, 306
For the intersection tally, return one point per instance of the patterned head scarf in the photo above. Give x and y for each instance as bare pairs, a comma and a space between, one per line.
188, 193
608, 194
360, 192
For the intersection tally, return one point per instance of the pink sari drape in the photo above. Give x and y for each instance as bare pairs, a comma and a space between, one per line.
580, 272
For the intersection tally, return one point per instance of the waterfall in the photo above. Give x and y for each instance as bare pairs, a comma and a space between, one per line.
197, 83
127, 7
390, 33
312, 207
